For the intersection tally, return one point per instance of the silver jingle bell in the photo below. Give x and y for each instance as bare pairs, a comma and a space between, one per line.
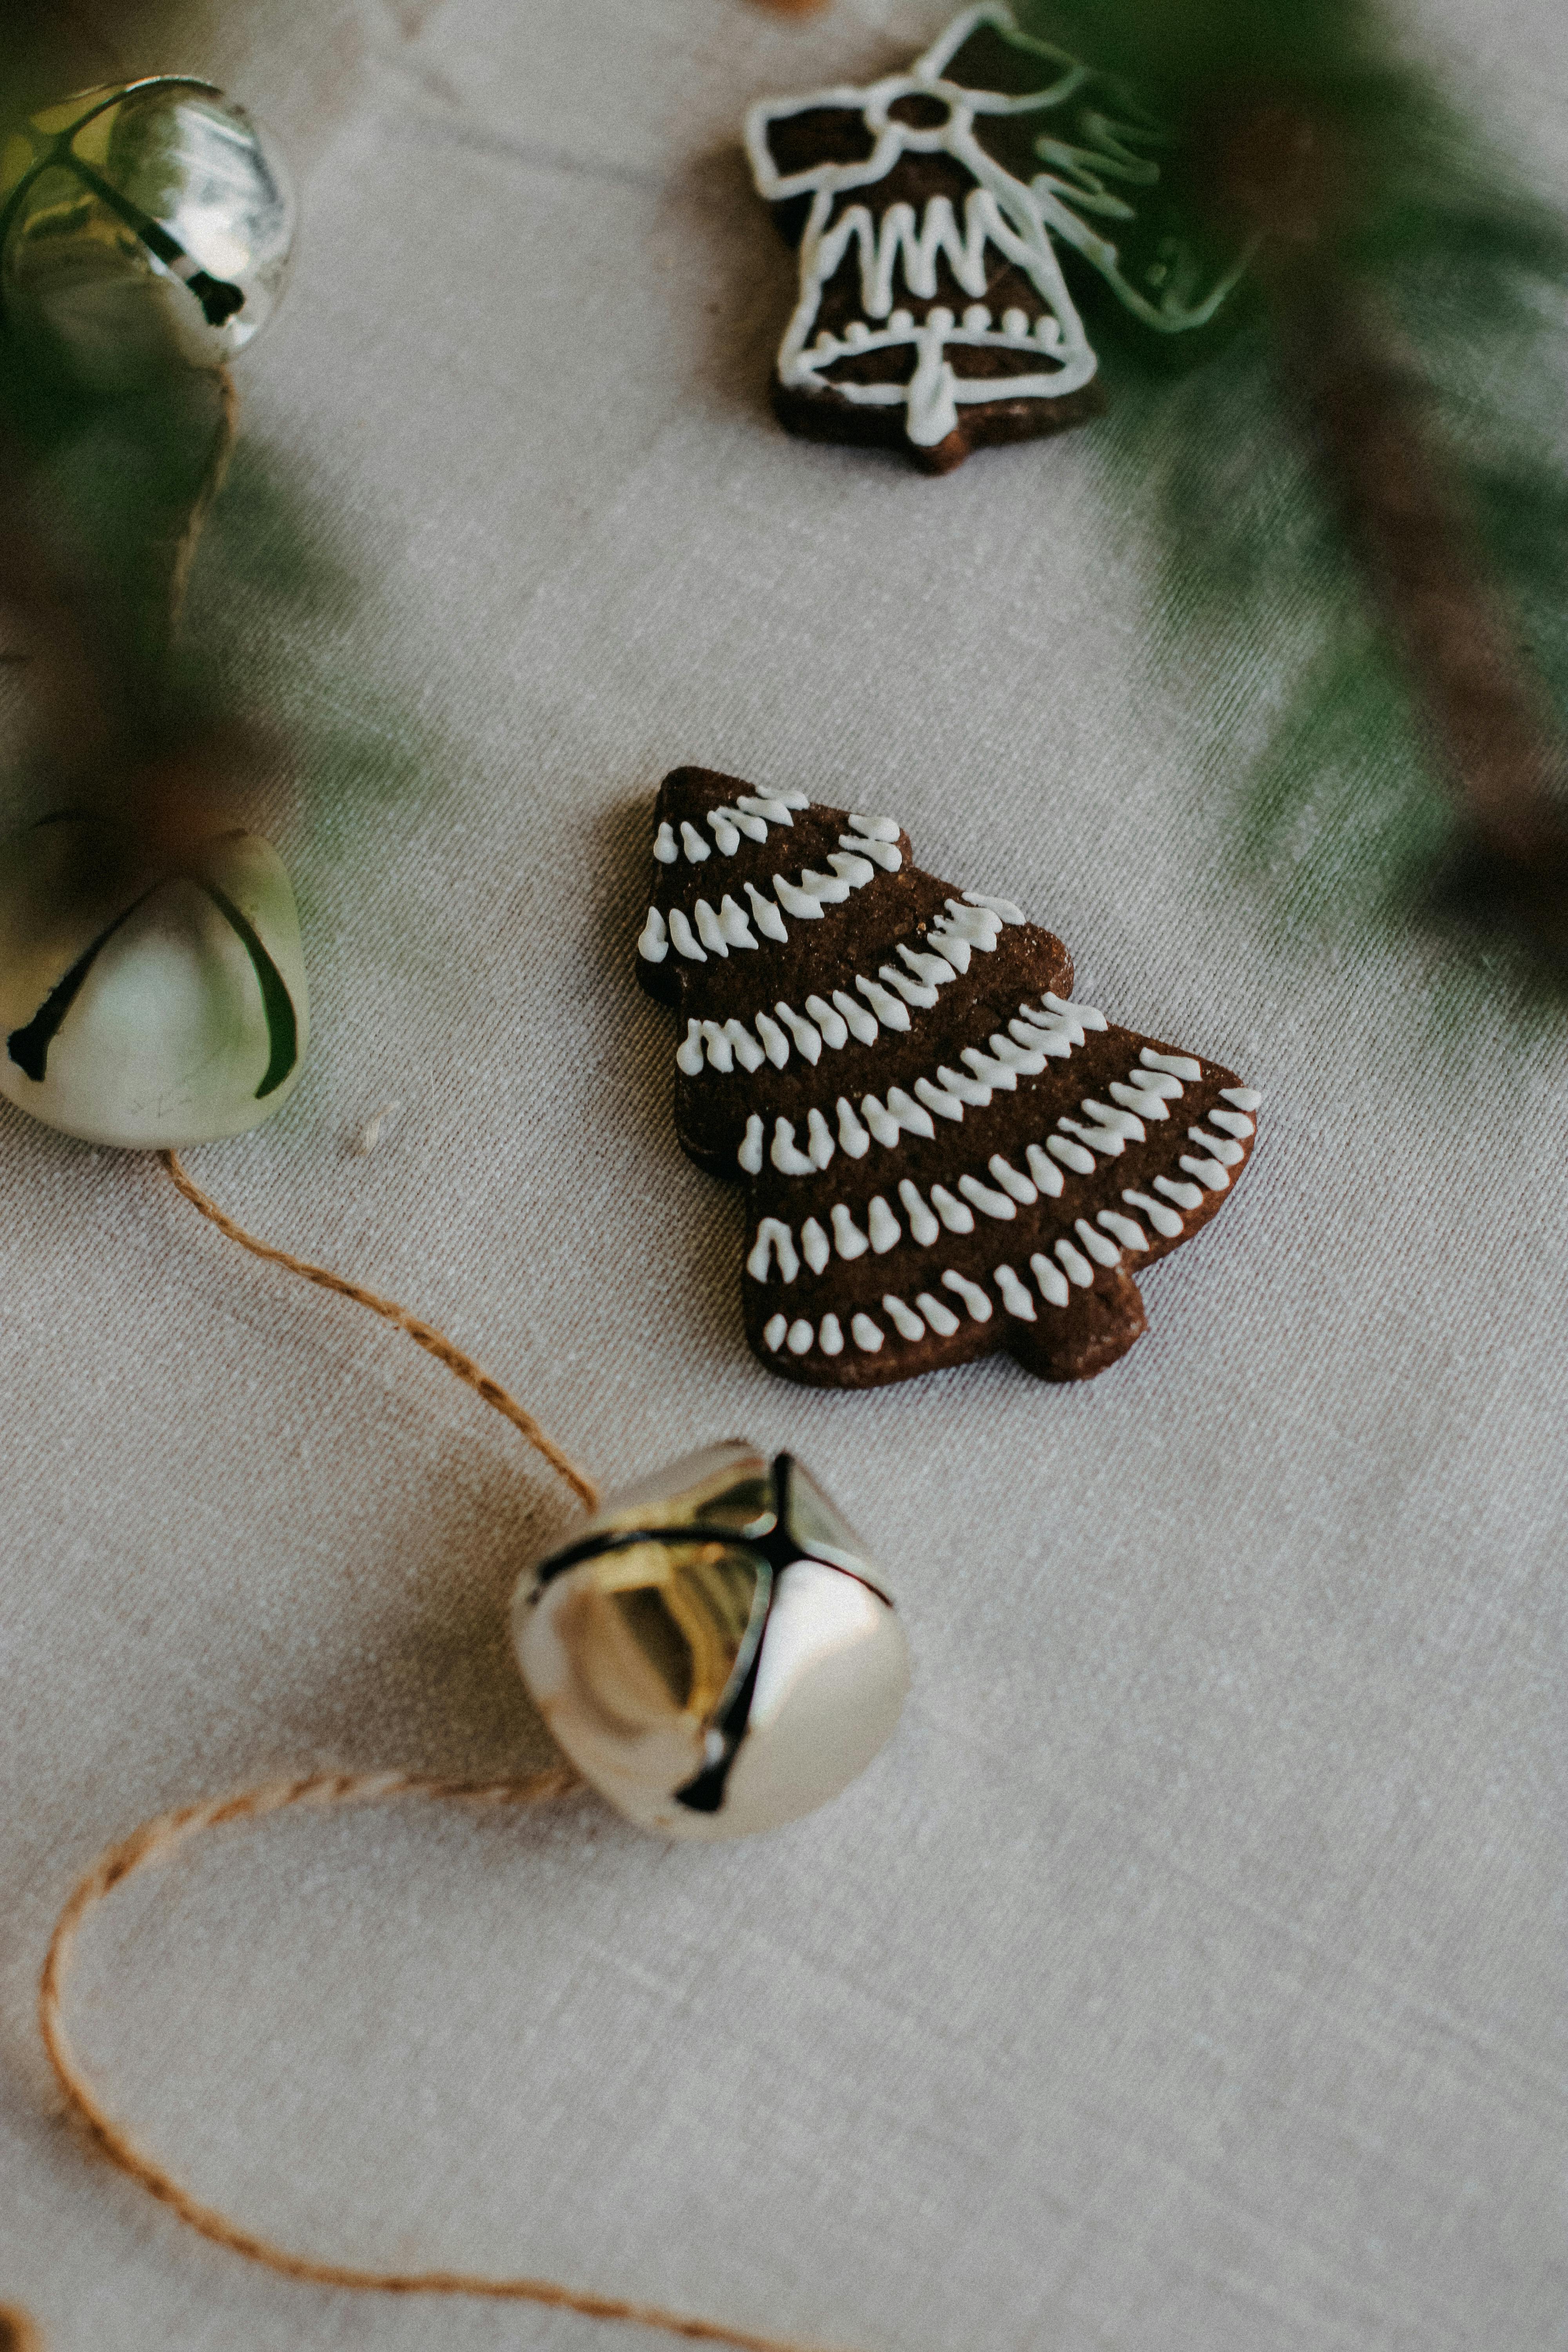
714, 1651
148, 999
145, 227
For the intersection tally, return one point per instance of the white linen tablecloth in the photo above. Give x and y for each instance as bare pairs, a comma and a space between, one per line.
1189, 1975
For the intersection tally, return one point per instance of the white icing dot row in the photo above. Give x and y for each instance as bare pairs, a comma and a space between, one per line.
928, 1313
1037, 1037
1016, 329
854, 863
718, 931
1000, 1199
1055, 1279
1056, 1276
751, 816
880, 1004
973, 923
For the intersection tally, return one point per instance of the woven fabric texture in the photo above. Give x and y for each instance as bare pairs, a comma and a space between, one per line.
1189, 1974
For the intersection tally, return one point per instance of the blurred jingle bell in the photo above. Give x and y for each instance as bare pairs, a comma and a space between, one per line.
143, 228
714, 1651
150, 996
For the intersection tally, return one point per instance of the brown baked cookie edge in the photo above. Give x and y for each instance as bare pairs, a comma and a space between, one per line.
828, 417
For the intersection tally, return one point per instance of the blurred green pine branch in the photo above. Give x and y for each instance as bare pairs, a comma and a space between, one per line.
1342, 801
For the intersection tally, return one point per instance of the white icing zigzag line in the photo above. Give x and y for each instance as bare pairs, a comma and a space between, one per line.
886, 997
1056, 1276
1037, 1037
1000, 212
804, 900
934, 393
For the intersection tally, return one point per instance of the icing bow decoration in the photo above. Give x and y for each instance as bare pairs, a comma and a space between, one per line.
943, 1153
934, 210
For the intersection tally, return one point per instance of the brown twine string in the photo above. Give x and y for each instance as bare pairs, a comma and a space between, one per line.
157, 1839
424, 1335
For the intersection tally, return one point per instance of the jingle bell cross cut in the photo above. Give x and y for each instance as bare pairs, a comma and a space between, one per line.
714, 1649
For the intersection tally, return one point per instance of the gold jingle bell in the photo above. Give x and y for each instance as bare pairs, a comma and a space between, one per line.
714, 1651
143, 227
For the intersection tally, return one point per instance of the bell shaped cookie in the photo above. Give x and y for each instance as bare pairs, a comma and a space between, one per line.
147, 1000
939, 213
942, 1152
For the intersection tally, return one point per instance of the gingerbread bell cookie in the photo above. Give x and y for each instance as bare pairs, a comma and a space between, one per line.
943, 1153
934, 209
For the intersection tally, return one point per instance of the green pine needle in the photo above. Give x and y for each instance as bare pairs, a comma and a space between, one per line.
1342, 805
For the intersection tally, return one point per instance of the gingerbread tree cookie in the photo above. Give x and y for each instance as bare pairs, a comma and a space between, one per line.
943, 1153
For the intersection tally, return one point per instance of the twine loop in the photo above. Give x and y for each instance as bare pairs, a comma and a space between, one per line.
166, 1834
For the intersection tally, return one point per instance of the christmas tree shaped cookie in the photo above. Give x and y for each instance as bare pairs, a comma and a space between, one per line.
943, 1153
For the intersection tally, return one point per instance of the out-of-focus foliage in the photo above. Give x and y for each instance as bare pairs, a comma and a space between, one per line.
165, 641
1465, 270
